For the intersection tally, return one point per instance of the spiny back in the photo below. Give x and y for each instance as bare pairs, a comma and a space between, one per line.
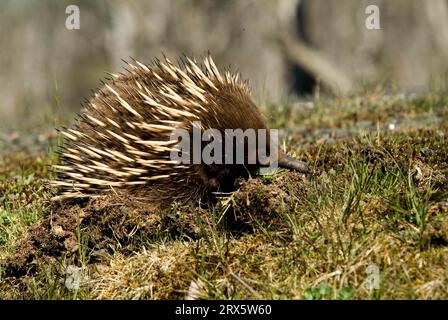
121, 139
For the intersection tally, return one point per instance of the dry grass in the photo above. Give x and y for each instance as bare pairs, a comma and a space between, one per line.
378, 201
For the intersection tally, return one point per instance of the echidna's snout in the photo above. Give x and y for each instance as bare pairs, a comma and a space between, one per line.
288, 162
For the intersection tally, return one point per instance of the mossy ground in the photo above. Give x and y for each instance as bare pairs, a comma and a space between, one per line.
374, 212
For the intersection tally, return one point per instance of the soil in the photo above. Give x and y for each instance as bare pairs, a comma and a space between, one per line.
120, 221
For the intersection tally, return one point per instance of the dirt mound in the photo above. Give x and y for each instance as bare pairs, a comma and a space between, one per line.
125, 223
264, 201
101, 223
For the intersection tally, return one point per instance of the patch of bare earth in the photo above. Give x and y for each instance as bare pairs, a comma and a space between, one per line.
122, 223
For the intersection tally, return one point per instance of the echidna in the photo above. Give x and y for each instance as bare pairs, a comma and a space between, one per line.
122, 138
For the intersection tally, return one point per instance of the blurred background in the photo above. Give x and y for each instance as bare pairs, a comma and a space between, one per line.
287, 48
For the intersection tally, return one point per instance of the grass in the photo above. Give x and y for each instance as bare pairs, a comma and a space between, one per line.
371, 223
22, 189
